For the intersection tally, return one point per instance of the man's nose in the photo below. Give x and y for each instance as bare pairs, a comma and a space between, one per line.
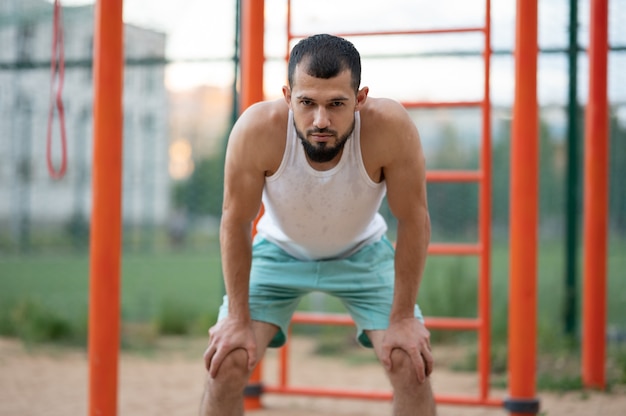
321, 118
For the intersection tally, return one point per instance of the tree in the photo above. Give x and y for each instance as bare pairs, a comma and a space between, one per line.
202, 193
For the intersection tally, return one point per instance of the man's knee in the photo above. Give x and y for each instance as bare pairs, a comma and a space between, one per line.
403, 376
224, 393
410, 396
233, 369
403, 370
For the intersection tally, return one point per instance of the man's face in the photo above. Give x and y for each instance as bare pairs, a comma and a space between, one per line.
323, 111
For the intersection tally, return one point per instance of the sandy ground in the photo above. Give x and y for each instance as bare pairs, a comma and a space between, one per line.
53, 382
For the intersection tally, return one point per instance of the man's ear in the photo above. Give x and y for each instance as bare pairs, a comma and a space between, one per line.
361, 97
287, 95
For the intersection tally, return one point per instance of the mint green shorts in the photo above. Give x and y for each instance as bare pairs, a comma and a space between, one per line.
363, 282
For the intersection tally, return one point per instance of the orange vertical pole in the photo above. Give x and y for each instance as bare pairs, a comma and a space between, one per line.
252, 62
252, 51
289, 34
595, 220
283, 375
105, 245
484, 292
524, 217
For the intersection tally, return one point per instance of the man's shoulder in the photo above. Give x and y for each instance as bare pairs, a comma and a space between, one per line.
383, 116
267, 114
387, 132
260, 134
380, 106
383, 113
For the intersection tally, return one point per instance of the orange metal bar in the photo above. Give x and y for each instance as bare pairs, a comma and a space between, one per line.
596, 202
284, 364
289, 35
252, 51
524, 209
105, 240
405, 32
252, 62
322, 318
458, 324
374, 395
343, 319
440, 104
484, 220
455, 249
454, 176
330, 392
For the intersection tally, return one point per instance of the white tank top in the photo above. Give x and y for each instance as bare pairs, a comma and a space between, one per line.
316, 215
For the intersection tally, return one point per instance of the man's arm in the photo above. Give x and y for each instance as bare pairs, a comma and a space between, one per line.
244, 178
243, 187
405, 175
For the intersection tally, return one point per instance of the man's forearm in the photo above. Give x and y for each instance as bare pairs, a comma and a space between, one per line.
410, 260
236, 248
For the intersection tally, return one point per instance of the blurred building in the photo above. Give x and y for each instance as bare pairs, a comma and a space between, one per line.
201, 116
29, 198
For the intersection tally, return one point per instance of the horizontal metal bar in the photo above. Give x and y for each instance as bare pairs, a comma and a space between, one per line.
343, 319
454, 175
402, 32
454, 249
452, 323
468, 401
329, 392
375, 395
319, 318
439, 104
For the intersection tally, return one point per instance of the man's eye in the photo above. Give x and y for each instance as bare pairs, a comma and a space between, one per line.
337, 104
306, 102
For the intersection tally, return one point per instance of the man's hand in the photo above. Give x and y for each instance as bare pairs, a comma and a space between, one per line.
411, 336
226, 336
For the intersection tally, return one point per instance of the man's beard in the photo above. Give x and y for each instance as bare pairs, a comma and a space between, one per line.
321, 152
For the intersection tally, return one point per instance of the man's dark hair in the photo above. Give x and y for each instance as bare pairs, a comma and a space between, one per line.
325, 56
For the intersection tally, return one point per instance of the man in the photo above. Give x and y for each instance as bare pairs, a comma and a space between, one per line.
320, 160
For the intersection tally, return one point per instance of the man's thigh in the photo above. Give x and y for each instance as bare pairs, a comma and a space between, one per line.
264, 333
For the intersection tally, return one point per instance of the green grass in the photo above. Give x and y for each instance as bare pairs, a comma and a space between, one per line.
44, 297
177, 292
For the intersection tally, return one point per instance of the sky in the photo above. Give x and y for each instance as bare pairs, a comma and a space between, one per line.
200, 28
205, 28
